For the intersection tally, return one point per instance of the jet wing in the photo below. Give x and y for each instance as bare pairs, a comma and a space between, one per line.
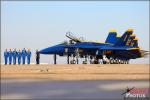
103, 47
118, 48
84, 47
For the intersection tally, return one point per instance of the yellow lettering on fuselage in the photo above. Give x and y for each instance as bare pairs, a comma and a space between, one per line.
132, 43
125, 38
128, 42
107, 52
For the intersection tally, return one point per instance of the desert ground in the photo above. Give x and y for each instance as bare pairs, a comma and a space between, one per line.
77, 72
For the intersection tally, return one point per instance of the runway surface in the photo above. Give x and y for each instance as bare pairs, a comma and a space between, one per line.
67, 90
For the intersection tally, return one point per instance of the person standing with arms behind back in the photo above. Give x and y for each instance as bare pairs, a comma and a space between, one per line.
6, 54
10, 57
37, 57
14, 54
19, 57
24, 53
28, 56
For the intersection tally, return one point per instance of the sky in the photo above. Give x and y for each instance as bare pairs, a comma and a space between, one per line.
40, 24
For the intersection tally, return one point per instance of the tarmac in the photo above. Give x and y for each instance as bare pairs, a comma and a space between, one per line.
72, 82
69, 90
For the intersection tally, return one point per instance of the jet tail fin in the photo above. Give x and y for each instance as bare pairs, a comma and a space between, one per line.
124, 39
131, 38
112, 37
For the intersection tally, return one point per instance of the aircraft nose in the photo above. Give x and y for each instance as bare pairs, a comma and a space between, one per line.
53, 50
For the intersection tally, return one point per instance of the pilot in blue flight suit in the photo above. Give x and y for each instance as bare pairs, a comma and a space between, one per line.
24, 53
28, 56
6, 54
14, 54
19, 57
10, 57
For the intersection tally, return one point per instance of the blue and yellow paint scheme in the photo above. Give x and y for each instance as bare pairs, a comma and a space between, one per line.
120, 47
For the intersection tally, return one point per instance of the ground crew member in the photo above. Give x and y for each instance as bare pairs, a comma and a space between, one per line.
37, 57
6, 54
28, 56
19, 57
14, 54
24, 53
10, 57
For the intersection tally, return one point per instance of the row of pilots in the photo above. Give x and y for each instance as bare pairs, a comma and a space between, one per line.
13, 55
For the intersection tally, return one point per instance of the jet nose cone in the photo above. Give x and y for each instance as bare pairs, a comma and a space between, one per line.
53, 50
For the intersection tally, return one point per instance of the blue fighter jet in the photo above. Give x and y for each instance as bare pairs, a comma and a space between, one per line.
115, 50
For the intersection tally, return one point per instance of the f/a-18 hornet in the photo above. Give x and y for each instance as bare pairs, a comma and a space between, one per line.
115, 50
